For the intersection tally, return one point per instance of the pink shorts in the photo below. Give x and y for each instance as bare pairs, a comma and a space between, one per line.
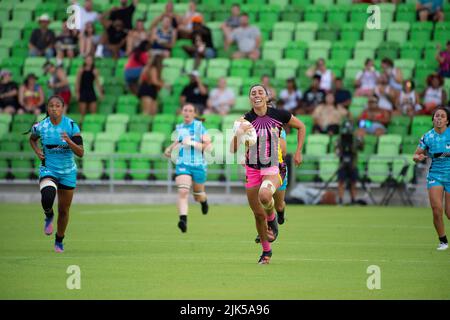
254, 177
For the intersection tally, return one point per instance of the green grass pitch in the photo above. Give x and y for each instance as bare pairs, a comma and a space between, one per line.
137, 252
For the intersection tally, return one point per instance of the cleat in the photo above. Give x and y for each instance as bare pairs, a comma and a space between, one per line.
273, 230
59, 247
182, 225
265, 257
257, 239
442, 246
280, 218
48, 228
205, 207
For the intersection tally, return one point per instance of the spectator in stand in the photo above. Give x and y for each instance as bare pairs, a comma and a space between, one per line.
185, 27
42, 40
373, 120
9, 92
265, 81
66, 43
366, 80
163, 37
124, 13
114, 38
290, 97
386, 94
149, 85
233, 21
430, 10
85, 93
434, 95
312, 97
393, 74
408, 102
342, 96
31, 96
443, 57
202, 45
326, 75
221, 99
137, 60
87, 15
173, 17
248, 39
58, 82
136, 36
328, 116
88, 40
195, 92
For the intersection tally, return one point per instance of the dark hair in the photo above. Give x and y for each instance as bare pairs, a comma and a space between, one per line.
413, 85
244, 14
28, 77
292, 80
47, 115
85, 29
93, 62
367, 61
140, 49
196, 110
435, 75
317, 77
388, 61
447, 112
270, 103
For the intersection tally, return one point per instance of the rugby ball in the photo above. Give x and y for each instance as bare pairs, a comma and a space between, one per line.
249, 137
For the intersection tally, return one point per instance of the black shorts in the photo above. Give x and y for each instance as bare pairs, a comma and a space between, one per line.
147, 90
347, 174
88, 96
59, 185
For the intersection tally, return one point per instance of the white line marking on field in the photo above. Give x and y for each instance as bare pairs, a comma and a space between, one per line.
115, 211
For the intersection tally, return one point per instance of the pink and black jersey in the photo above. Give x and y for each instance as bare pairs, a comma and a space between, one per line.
266, 152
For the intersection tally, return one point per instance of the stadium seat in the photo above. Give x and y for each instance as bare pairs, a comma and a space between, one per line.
327, 167
163, 123
295, 50
117, 123
405, 12
388, 50
127, 104
351, 32
378, 169
338, 14
286, 68
105, 142
373, 36
4, 168
10, 142
241, 105
328, 32
407, 66
92, 166
421, 31
441, 32
399, 125
308, 121
283, 32
409, 144
241, 67
88, 140
269, 13
317, 144
189, 66
94, 123
272, 50
369, 145
398, 32
420, 125
139, 123
398, 164
263, 67
319, 49
358, 13
212, 121
128, 143
306, 31
22, 122
315, 13
307, 172
364, 50
389, 145
21, 167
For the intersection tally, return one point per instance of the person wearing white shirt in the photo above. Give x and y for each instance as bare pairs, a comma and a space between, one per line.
290, 97
221, 99
366, 80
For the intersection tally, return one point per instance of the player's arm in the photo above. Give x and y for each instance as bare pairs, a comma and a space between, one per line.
75, 144
34, 145
202, 146
419, 155
235, 141
301, 133
169, 149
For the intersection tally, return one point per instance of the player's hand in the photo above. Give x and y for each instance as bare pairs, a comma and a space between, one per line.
187, 141
243, 128
419, 157
40, 154
65, 137
167, 153
298, 158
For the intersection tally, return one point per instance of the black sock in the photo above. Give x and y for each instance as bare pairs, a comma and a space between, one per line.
183, 218
280, 212
49, 214
443, 239
58, 238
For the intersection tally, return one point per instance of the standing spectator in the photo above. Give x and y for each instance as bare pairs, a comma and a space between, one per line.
114, 39
443, 57
136, 62
248, 39
312, 97
136, 36
393, 74
87, 14
408, 100
124, 13
326, 75
373, 120
291, 97
342, 96
66, 43
233, 21
84, 86
88, 40
265, 81
386, 94
173, 17
185, 27
150, 83
42, 40
434, 95
430, 10
195, 92
366, 80
31, 96
328, 116
202, 45
9, 92
221, 99
58, 82
162, 37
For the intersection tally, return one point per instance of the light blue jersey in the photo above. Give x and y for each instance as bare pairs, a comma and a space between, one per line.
189, 155
59, 158
438, 148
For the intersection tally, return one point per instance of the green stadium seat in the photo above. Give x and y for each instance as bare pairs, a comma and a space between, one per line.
4, 168
406, 12
308, 121
398, 32
88, 140
410, 144
352, 67
218, 68
307, 172
269, 13
105, 142
139, 123
328, 32
421, 31
92, 166
389, 145
262, 67
127, 104
358, 13
129, 142
117, 123
420, 125
317, 144
139, 169
107, 104
341, 52
369, 145
12, 29
373, 36
21, 167
291, 14
338, 14
10, 142
306, 31
441, 32
351, 32
212, 121
286, 68
5, 122
319, 49
235, 84
164, 123
388, 50
170, 74
241, 105
22, 12
407, 66
189, 66
315, 13
241, 67
22, 122
283, 31
398, 164
296, 50
272, 50
364, 50
94, 123
378, 169
327, 167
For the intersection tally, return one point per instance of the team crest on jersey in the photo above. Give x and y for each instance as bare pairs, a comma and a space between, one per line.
447, 146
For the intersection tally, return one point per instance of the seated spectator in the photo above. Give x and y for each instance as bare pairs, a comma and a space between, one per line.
85, 92
291, 97
124, 13
185, 27
195, 92
173, 17
408, 100
373, 120
265, 81
31, 96
233, 21
221, 99
328, 116
430, 10
87, 15
9, 92
443, 57
150, 83
393, 74
42, 40
326, 75
366, 80
113, 39
248, 39
342, 96
434, 95
58, 82
66, 43
202, 45
137, 60
312, 97
162, 37
136, 36
88, 40
386, 94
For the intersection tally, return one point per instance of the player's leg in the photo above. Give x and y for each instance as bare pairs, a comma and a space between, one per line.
48, 187
268, 187
436, 195
199, 178
183, 183
82, 106
65, 196
447, 203
280, 204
